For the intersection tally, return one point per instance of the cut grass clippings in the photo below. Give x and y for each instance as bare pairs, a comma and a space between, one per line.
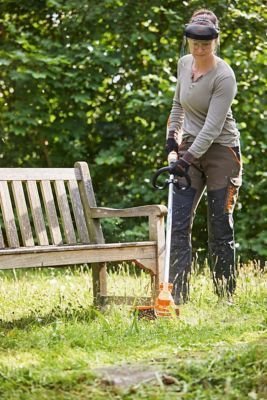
53, 343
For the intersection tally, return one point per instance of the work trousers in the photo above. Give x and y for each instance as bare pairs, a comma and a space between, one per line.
219, 172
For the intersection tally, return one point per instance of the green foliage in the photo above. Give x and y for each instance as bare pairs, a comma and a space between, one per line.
86, 80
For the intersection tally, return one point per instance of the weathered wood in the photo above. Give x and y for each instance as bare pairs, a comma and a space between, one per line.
22, 212
93, 226
37, 213
149, 265
8, 215
78, 211
73, 247
2, 243
53, 256
88, 201
64, 209
51, 213
38, 174
82, 203
141, 211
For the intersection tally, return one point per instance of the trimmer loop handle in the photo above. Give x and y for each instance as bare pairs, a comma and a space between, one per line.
167, 181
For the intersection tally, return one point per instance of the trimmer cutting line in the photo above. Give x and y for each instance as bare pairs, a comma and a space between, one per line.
164, 305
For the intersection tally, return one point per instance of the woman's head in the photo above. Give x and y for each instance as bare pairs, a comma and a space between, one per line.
202, 32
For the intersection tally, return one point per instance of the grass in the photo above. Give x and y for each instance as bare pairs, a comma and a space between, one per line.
52, 342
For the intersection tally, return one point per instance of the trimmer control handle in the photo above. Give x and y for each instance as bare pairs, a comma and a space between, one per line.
172, 179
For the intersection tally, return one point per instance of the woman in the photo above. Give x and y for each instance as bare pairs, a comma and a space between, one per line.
209, 152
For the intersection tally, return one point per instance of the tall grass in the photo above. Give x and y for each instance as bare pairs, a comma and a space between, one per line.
53, 342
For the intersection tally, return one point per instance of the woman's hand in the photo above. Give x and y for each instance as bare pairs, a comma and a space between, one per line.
181, 166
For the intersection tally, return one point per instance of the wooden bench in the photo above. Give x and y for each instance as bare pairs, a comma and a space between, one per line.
49, 218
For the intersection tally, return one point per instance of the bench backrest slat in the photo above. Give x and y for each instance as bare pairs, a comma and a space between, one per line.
88, 201
2, 243
39, 174
37, 213
64, 209
47, 206
78, 211
8, 215
51, 213
22, 212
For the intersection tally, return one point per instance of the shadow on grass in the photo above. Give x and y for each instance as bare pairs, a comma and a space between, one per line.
67, 314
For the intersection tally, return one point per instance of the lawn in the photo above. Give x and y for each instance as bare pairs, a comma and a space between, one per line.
54, 345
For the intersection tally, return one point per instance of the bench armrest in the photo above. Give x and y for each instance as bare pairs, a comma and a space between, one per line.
141, 211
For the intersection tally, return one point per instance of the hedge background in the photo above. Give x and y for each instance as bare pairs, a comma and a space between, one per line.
94, 81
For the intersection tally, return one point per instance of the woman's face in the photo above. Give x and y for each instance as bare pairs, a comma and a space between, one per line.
201, 48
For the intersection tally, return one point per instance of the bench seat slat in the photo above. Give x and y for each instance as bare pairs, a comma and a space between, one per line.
78, 211
37, 213
68, 247
64, 209
51, 213
49, 256
23, 217
8, 215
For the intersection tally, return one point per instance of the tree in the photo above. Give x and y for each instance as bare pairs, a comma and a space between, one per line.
94, 81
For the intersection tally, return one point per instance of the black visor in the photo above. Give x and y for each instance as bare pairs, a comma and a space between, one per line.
200, 32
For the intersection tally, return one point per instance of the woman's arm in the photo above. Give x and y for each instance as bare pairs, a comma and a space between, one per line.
220, 104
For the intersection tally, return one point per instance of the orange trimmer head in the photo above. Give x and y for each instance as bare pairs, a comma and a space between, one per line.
164, 306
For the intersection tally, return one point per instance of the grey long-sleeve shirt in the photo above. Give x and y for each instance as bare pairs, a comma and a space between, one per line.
201, 110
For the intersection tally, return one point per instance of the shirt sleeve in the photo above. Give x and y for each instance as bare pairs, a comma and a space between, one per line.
176, 118
220, 104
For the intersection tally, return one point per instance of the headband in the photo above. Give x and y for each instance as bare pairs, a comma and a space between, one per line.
204, 19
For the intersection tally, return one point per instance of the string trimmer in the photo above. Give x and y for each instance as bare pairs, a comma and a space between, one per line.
164, 306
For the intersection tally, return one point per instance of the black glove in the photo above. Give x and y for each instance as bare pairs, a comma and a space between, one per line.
181, 166
171, 145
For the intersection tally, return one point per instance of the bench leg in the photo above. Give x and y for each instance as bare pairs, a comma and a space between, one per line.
99, 282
